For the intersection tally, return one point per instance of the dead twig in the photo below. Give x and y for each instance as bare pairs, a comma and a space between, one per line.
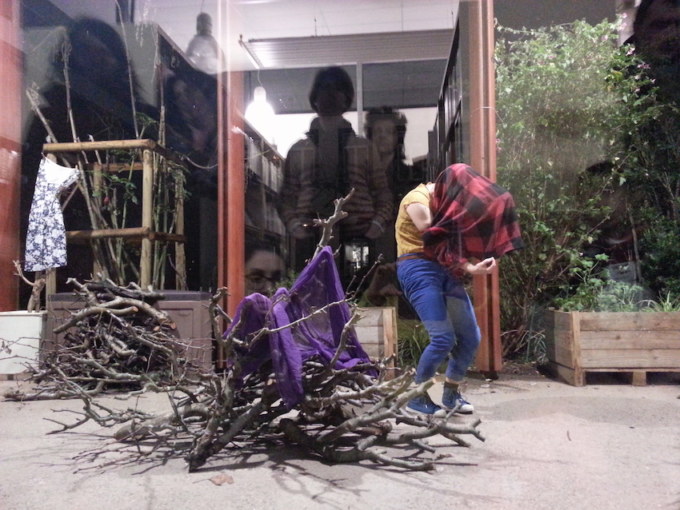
37, 287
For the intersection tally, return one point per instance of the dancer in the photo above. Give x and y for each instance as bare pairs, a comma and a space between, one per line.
458, 225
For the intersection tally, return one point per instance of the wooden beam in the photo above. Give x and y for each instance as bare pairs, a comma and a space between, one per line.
100, 146
105, 145
116, 167
483, 159
234, 253
125, 233
11, 65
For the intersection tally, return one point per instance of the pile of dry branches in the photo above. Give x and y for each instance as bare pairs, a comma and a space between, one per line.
120, 342
117, 341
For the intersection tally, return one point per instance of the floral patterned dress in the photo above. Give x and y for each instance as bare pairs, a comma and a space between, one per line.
46, 237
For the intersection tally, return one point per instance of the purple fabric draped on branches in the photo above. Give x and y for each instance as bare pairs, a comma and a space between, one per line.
317, 286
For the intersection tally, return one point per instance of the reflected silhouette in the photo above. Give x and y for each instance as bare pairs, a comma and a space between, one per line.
91, 94
657, 39
192, 116
325, 165
191, 129
386, 128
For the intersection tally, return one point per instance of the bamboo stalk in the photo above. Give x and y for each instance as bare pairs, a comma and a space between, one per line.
147, 219
101, 145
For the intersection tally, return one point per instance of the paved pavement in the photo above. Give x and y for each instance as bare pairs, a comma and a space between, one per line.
608, 445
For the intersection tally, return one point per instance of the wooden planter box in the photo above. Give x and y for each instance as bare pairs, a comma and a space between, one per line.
377, 331
187, 309
635, 342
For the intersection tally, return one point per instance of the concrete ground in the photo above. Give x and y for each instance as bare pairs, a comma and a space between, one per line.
608, 445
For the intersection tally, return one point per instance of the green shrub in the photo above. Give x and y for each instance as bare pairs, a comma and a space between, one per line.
569, 99
661, 257
413, 339
647, 158
554, 122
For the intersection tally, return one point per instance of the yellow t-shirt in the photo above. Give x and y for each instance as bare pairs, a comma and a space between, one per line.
409, 238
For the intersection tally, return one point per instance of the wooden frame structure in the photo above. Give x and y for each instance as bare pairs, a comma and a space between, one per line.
146, 232
635, 343
452, 141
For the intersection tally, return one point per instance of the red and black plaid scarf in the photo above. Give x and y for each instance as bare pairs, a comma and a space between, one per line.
472, 217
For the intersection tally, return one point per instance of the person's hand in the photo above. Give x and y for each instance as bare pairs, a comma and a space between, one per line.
375, 230
486, 266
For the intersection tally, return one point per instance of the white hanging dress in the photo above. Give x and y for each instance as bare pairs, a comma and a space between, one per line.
46, 236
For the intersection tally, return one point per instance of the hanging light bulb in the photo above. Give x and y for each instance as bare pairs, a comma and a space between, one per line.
260, 114
203, 50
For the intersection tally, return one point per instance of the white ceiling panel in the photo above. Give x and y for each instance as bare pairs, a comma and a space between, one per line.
351, 48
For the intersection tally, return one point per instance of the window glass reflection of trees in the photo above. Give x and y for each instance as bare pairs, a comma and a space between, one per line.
123, 81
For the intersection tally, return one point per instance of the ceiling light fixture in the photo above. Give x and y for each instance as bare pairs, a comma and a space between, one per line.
260, 114
251, 54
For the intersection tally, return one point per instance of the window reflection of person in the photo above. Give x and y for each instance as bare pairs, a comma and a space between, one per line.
89, 93
657, 39
386, 128
264, 269
329, 162
192, 116
191, 129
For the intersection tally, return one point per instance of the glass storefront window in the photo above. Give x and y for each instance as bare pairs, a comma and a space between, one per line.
184, 75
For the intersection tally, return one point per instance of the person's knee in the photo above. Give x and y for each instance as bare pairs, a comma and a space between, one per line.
442, 336
470, 337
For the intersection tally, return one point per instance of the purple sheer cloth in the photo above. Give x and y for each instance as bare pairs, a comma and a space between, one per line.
317, 286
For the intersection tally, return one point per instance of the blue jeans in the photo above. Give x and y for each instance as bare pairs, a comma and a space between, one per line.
447, 314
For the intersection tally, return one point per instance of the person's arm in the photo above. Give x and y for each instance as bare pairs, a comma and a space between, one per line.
420, 215
292, 190
381, 194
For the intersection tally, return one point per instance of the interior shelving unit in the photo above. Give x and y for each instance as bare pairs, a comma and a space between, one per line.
264, 178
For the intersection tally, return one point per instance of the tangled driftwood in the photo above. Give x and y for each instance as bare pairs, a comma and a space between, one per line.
117, 341
120, 342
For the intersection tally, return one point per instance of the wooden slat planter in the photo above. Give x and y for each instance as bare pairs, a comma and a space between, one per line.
187, 309
377, 331
635, 342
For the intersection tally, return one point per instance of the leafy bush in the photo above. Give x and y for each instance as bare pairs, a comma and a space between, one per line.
554, 122
660, 263
600, 294
647, 158
569, 101
413, 339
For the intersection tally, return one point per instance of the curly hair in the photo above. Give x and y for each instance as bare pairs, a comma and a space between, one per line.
387, 113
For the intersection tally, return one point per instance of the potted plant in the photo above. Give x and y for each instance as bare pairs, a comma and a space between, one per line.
609, 326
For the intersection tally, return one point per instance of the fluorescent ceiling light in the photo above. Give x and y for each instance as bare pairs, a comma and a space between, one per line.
315, 51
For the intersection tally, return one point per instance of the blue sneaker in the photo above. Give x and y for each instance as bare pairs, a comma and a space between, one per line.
452, 399
423, 404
